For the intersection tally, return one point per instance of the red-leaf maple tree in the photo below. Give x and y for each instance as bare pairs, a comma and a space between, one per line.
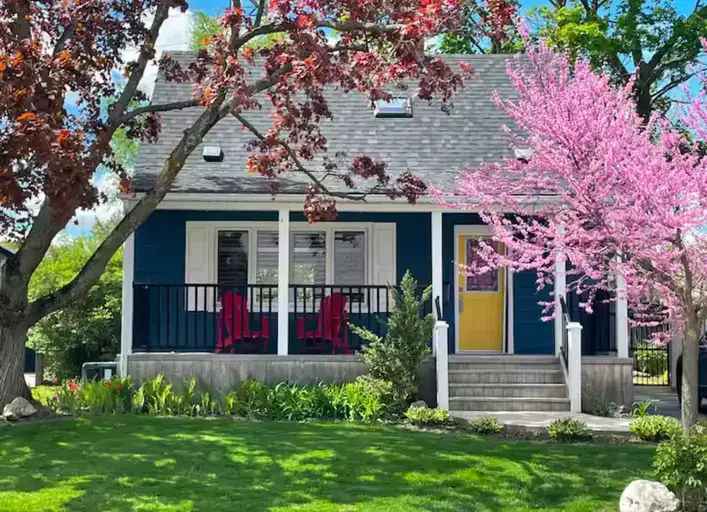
60, 106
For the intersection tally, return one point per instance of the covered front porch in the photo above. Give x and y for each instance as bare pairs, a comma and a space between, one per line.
201, 277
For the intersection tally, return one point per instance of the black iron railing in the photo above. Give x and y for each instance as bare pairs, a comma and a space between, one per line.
204, 318
244, 319
651, 359
322, 316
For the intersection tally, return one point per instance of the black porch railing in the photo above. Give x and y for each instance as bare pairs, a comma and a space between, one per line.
322, 315
204, 318
651, 361
244, 319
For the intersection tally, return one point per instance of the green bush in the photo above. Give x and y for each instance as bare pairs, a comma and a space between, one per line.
485, 425
568, 430
366, 399
642, 409
396, 357
93, 397
424, 416
655, 428
88, 329
681, 464
251, 399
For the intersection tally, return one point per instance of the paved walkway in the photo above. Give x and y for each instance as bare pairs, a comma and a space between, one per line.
537, 421
664, 397
666, 404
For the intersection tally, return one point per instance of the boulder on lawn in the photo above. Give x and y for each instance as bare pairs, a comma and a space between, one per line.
648, 496
17, 409
419, 403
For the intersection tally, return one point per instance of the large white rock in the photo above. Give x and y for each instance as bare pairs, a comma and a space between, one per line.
18, 408
648, 496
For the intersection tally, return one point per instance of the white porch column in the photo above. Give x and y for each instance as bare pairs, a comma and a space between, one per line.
439, 339
574, 365
437, 265
126, 321
560, 292
622, 334
283, 282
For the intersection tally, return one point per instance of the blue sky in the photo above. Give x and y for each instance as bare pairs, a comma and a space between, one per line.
217, 6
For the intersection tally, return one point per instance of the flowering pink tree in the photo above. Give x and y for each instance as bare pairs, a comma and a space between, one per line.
610, 193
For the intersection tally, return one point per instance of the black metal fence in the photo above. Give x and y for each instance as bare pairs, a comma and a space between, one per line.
651, 360
243, 319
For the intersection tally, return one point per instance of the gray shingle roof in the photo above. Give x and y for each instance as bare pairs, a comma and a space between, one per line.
432, 144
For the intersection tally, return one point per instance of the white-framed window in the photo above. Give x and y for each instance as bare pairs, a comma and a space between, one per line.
333, 254
240, 253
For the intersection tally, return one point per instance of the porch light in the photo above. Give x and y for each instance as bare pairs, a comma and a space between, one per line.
212, 153
397, 106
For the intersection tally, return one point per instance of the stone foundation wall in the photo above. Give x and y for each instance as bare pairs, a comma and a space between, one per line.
606, 379
223, 372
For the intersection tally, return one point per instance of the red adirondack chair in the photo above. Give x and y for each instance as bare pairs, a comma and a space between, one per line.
234, 325
332, 325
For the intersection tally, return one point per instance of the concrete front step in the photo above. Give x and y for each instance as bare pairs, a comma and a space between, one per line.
508, 390
504, 358
492, 376
508, 404
472, 366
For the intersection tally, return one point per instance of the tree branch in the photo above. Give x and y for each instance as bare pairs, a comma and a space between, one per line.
357, 196
164, 107
95, 265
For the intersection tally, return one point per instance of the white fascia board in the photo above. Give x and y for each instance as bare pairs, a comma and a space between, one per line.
294, 202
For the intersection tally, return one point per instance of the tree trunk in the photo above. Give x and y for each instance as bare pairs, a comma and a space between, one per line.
12, 364
690, 373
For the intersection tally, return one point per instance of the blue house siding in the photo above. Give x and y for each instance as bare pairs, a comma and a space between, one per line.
530, 334
160, 245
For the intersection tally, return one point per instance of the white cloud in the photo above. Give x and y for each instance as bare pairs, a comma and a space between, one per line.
175, 35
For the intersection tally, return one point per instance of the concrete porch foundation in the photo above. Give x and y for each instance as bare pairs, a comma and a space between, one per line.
223, 372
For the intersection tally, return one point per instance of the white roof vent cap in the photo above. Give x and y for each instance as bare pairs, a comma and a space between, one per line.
524, 154
397, 106
212, 153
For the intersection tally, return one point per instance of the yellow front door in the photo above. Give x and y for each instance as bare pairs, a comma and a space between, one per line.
480, 301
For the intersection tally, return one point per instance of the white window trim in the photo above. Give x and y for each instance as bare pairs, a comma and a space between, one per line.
252, 229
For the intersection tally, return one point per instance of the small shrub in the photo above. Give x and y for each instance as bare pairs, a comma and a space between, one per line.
568, 430
485, 425
424, 416
655, 428
396, 357
367, 399
681, 464
155, 397
642, 409
252, 399
93, 397
67, 400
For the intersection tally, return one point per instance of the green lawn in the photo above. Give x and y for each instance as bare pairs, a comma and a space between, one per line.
170, 464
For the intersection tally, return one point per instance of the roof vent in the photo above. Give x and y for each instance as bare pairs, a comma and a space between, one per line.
397, 106
212, 153
523, 154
